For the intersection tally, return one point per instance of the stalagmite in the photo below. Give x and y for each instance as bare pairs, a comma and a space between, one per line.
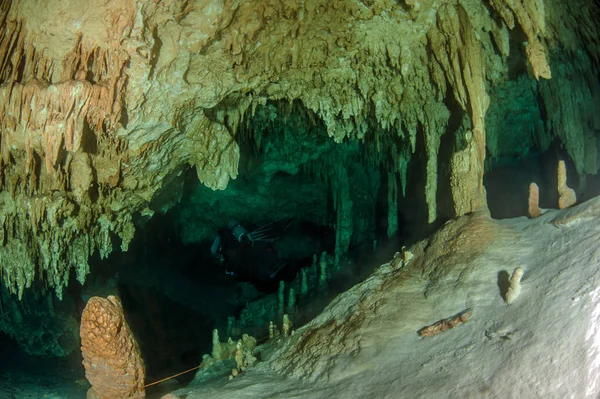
566, 195
303, 283
281, 298
392, 227
111, 355
286, 325
514, 289
534, 201
323, 272
239, 355
216, 345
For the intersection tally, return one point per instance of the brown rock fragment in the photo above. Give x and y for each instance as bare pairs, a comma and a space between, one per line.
534, 201
445, 324
111, 356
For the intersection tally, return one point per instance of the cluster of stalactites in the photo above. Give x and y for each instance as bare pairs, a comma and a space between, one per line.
398, 85
46, 117
411, 101
51, 112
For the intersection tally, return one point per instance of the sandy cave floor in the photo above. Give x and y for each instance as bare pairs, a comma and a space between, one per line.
545, 345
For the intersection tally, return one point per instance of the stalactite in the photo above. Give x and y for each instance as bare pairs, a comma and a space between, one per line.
531, 16
464, 68
343, 207
403, 161
392, 227
434, 129
187, 99
571, 100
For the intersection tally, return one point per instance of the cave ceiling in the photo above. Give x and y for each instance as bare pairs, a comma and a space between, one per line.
104, 104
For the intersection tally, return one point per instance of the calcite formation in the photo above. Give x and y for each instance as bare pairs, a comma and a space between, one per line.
533, 203
514, 287
104, 104
566, 195
111, 356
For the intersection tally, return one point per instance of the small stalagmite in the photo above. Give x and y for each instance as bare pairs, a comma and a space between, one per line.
566, 195
534, 201
514, 289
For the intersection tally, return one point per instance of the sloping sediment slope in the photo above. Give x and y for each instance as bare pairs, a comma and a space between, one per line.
365, 343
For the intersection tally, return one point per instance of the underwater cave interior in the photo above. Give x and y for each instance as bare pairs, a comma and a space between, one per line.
175, 289
295, 185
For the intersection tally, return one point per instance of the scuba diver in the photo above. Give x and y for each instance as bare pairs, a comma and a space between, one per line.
241, 251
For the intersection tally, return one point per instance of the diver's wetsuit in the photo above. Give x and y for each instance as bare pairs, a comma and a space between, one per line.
243, 259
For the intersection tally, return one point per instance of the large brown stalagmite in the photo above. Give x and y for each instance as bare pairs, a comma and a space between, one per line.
111, 356
103, 104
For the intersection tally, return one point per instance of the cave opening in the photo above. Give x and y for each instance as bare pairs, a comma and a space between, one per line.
176, 287
295, 185
528, 133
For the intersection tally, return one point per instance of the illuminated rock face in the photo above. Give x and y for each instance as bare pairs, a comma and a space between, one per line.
102, 106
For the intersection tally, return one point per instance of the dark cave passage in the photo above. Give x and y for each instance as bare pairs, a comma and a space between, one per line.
176, 289
507, 184
294, 189
293, 184
527, 135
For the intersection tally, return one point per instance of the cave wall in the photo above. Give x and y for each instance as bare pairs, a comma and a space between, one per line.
41, 324
105, 104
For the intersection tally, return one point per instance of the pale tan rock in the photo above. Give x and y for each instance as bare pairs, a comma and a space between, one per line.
566, 195
514, 288
534, 201
583, 212
448, 257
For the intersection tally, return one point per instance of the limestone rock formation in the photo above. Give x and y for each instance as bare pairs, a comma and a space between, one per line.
514, 288
41, 324
335, 337
364, 343
566, 195
103, 105
533, 206
111, 356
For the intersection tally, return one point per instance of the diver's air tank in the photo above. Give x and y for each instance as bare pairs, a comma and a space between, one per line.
238, 231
